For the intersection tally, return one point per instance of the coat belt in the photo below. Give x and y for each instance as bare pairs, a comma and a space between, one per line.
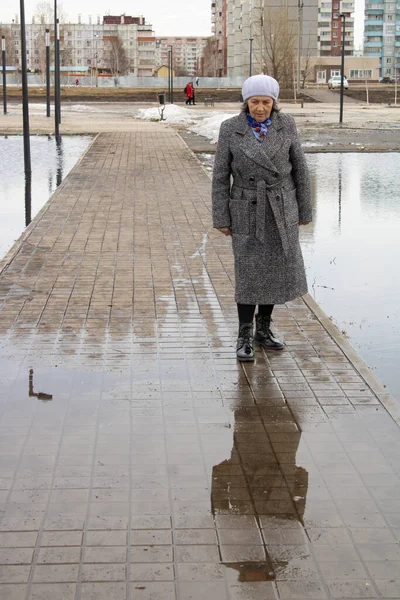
262, 190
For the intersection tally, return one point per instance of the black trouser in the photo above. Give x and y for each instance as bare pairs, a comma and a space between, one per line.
246, 311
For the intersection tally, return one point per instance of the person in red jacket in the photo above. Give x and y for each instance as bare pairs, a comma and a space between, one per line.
189, 93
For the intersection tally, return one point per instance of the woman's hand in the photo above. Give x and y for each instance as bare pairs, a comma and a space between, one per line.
225, 230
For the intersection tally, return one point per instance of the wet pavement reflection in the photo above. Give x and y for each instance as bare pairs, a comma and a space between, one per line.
22, 197
138, 458
351, 252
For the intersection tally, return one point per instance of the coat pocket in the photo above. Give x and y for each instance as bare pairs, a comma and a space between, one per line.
240, 213
291, 208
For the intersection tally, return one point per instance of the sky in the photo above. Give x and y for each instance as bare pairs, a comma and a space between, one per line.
172, 17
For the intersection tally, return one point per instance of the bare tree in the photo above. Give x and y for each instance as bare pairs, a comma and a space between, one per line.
117, 59
280, 39
180, 71
210, 58
309, 65
44, 13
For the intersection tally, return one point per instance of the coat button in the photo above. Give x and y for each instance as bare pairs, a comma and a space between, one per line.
251, 178
254, 201
276, 174
278, 197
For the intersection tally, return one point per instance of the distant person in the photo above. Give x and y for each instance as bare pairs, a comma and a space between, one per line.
189, 93
194, 94
197, 80
77, 81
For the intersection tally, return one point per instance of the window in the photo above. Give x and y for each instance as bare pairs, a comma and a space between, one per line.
388, 61
334, 44
360, 74
335, 73
335, 25
335, 34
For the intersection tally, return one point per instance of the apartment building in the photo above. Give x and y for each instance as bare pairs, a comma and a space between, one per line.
91, 45
219, 32
330, 27
382, 35
266, 27
186, 52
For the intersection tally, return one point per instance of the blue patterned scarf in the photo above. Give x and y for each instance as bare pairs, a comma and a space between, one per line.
259, 129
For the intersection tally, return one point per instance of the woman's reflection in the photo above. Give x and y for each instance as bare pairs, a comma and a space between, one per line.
261, 478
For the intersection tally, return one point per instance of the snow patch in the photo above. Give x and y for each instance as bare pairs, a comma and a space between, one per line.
173, 114
209, 127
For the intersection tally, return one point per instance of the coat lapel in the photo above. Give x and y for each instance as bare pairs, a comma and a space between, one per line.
260, 153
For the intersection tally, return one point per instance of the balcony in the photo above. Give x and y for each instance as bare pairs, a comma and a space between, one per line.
373, 44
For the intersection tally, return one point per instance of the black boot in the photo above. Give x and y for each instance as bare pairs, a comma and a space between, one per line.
264, 335
244, 347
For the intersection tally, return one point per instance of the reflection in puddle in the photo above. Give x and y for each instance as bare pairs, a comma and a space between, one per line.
21, 198
39, 395
351, 252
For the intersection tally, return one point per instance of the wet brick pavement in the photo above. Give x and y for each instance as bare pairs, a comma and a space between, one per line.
139, 461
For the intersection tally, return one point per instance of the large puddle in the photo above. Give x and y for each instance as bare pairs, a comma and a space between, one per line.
51, 162
352, 253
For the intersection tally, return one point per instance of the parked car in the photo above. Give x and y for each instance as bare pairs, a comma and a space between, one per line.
336, 81
386, 79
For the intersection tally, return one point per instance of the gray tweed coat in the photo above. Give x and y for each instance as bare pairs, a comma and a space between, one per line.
261, 191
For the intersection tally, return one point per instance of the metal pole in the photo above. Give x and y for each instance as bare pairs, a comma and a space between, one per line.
170, 69
3, 52
299, 45
343, 16
96, 55
56, 121
169, 77
48, 71
25, 104
58, 72
251, 55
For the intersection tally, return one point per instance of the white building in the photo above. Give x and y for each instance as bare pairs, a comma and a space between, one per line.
89, 45
250, 24
186, 52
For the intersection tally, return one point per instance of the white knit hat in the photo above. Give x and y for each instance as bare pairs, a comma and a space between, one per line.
260, 85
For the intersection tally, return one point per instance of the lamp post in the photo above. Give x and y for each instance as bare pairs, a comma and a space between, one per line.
343, 17
3, 53
169, 76
96, 56
299, 43
25, 104
251, 55
48, 71
171, 72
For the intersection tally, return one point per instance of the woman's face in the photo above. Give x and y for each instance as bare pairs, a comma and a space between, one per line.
260, 107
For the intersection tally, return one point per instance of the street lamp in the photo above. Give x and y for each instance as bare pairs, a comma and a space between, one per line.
96, 56
48, 71
251, 54
171, 74
3, 52
299, 43
25, 105
343, 17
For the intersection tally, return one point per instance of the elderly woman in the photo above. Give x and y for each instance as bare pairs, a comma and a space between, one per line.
261, 194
